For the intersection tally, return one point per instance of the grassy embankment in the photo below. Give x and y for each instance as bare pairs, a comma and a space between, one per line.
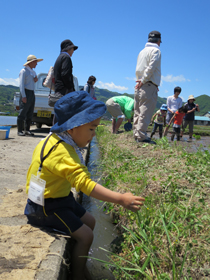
169, 238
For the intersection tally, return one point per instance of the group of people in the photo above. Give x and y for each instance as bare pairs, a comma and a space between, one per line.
177, 114
64, 83
57, 164
148, 75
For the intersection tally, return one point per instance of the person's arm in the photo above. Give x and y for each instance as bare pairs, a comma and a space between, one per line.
167, 126
22, 85
66, 73
169, 105
197, 107
127, 200
153, 117
190, 111
76, 84
86, 86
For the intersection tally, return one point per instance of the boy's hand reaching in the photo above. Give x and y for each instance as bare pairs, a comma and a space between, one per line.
127, 200
131, 202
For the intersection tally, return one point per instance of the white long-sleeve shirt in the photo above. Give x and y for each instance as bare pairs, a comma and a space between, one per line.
148, 67
26, 80
174, 103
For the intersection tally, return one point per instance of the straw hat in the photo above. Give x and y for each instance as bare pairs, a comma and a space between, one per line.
191, 97
32, 58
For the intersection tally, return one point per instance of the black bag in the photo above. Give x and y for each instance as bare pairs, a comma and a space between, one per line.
53, 98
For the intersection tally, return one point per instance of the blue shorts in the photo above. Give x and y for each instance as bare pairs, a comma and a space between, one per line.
60, 214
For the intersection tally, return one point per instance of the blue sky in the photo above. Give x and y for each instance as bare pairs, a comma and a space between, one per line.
110, 34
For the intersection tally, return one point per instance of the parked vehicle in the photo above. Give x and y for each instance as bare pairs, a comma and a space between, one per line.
43, 113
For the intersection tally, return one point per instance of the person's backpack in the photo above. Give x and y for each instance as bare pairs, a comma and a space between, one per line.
50, 79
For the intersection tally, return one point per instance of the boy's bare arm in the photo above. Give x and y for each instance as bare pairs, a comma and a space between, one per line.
127, 200
153, 117
167, 126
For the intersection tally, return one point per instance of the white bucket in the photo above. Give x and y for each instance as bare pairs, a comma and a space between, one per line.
3, 134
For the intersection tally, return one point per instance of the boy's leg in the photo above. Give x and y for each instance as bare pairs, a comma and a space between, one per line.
178, 133
160, 130
154, 129
118, 124
88, 220
84, 239
113, 125
173, 134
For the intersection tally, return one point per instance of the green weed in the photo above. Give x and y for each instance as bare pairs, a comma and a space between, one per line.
169, 237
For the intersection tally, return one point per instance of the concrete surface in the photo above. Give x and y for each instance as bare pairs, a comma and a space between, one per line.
15, 158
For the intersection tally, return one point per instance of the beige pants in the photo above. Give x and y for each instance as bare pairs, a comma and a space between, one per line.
145, 100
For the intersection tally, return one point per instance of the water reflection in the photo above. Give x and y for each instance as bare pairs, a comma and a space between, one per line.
191, 145
104, 232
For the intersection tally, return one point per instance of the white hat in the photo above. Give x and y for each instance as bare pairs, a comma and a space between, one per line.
191, 97
31, 58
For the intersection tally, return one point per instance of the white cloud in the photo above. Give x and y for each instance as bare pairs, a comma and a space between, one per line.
172, 79
131, 79
9, 81
7, 70
111, 86
166, 91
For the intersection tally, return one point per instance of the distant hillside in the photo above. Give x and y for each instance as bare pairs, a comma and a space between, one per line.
7, 95
204, 104
6, 98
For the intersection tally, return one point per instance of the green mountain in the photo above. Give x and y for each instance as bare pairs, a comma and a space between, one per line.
204, 104
7, 95
6, 99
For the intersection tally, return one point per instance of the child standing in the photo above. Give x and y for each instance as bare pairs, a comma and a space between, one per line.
57, 166
159, 120
177, 119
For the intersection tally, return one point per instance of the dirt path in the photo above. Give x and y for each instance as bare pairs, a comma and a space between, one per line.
21, 246
15, 157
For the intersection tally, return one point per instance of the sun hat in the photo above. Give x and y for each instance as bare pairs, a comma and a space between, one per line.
32, 58
75, 109
128, 126
154, 36
66, 45
163, 107
191, 97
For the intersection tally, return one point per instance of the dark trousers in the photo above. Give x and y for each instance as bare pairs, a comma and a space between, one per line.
156, 125
27, 109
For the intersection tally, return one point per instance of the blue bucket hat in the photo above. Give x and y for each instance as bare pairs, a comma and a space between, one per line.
163, 107
75, 109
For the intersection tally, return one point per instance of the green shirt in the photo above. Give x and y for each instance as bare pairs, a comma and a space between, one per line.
126, 104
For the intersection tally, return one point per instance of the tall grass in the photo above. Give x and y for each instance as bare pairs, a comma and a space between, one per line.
169, 238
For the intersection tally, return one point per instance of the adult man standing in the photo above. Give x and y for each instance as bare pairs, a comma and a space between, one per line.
148, 75
174, 102
27, 79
